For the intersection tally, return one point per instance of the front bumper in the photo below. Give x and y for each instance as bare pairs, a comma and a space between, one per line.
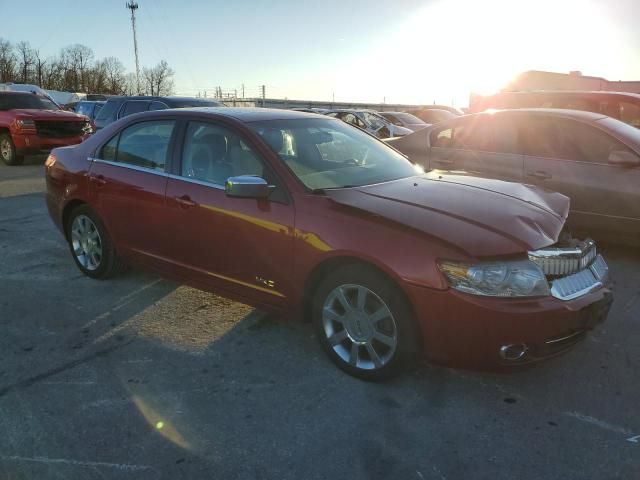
468, 331
32, 144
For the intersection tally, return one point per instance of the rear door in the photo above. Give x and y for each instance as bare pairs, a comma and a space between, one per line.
241, 245
128, 181
571, 157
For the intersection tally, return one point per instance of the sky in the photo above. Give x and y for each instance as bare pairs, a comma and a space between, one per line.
397, 51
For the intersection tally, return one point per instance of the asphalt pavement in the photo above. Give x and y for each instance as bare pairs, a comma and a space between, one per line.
141, 378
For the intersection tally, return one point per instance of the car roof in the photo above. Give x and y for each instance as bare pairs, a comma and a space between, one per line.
571, 92
249, 114
555, 112
166, 99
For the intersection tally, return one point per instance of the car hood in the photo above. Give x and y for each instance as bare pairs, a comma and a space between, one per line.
481, 217
48, 115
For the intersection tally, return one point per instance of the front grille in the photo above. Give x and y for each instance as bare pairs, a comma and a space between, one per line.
574, 285
560, 261
58, 129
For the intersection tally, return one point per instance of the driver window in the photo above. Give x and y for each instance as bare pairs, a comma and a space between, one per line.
213, 154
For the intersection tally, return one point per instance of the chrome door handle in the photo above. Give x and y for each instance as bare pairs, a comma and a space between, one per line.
99, 180
185, 201
539, 174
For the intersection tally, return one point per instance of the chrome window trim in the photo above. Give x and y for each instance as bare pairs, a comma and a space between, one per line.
196, 181
159, 173
129, 166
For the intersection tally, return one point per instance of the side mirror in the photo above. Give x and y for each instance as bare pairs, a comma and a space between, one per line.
624, 159
247, 186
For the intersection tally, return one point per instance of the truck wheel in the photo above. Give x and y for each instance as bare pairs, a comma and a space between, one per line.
364, 323
8, 151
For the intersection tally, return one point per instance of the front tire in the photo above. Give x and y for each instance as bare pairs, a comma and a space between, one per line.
8, 151
364, 323
91, 247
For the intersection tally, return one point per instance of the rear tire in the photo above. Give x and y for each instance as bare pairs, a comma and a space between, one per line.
91, 246
364, 323
8, 151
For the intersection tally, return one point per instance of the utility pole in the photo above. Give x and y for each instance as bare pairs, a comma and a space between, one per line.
133, 6
243, 90
263, 93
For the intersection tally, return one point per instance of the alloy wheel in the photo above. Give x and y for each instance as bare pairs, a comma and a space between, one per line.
86, 242
359, 327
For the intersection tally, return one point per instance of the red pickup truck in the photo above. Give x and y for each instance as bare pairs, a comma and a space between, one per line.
30, 124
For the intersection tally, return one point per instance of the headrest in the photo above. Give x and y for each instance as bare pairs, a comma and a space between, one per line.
217, 144
274, 139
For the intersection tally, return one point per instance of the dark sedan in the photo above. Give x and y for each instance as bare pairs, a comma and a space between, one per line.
118, 107
300, 213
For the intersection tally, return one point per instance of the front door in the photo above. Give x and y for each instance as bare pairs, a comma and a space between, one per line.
127, 183
482, 146
571, 157
241, 245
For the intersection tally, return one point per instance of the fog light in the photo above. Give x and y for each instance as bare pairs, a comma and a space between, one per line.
514, 351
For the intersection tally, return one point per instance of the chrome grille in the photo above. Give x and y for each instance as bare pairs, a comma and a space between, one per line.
557, 261
582, 282
600, 268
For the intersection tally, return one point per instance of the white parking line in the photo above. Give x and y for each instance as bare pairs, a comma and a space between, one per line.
601, 423
122, 301
80, 463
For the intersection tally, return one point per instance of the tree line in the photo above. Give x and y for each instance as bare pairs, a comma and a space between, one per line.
75, 69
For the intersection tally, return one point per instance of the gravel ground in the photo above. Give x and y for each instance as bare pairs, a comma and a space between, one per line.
141, 378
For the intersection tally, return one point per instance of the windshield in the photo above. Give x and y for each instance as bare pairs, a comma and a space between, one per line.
27, 101
408, 118
374, 120
325, 153
628, 133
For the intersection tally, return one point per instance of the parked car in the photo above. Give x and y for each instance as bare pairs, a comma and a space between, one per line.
433, 115
335, 226
369, 121
89, 108
31, 124
320, 111
118, 107
593, 159
619, 105
406, 120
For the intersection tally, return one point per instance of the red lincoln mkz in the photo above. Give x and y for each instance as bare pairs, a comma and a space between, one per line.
304, 214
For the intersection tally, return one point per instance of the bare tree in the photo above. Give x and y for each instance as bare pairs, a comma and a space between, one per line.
40, 65
115, 78
159, 79
130, 84
7, 61
26, 61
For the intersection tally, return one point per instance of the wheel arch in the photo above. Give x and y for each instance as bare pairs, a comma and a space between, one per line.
329, 264
66, 212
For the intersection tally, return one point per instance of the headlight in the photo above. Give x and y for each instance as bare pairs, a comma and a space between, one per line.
87, 128
520, 278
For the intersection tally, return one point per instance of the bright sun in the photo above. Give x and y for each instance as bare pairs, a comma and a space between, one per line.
454, 47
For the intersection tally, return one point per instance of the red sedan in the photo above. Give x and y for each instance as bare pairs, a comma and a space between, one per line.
300, 213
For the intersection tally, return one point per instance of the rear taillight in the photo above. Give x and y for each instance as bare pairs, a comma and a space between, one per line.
24, 126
